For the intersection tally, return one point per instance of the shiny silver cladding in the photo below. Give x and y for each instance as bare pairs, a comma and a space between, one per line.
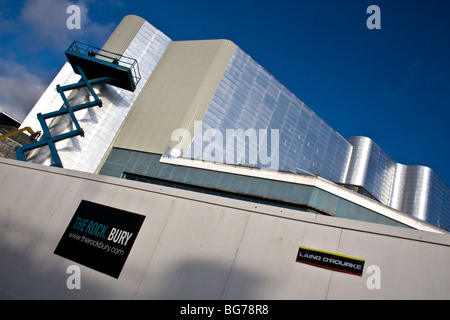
416, 190
249, 97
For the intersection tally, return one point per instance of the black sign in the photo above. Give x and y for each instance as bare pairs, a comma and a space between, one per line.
100, 237
331, 261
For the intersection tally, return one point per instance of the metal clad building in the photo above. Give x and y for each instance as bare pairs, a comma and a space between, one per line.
192, 98
210, 181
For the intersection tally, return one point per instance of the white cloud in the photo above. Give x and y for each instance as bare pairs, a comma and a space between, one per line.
19, 89
40, 29
47, 24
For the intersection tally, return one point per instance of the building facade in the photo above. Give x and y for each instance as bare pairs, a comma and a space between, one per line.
211, 102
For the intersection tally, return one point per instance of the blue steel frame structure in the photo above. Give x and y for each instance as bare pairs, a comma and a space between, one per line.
95, 66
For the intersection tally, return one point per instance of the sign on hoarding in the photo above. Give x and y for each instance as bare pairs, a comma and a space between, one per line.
100, 237
330, 261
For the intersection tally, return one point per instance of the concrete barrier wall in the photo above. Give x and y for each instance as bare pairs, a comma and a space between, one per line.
198, 246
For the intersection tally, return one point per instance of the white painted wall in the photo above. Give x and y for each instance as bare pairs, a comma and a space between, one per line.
196, 246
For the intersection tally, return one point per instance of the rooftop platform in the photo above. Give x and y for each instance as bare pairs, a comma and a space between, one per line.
98, 63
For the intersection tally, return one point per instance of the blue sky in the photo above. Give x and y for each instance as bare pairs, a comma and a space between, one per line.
390, 84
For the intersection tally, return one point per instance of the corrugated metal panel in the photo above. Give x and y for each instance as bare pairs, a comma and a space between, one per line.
415, 190
177, 94
125, 32
250, 98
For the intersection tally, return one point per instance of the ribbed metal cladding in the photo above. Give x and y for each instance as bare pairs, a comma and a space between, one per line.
124, 33
416, 190
412, 190
371, 168
250, 99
